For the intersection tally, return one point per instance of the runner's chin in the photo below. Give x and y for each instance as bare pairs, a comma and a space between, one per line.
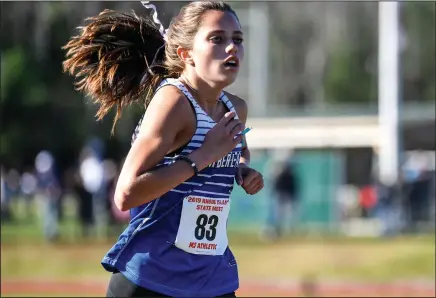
228, 75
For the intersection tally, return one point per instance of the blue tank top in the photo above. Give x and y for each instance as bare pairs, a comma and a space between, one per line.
177, 244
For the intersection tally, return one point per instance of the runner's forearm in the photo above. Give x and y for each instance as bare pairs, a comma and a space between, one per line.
245, 157
152, 184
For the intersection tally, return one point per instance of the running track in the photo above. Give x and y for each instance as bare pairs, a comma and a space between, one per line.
248, 288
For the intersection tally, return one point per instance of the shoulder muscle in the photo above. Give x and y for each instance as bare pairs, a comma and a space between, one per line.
168, 114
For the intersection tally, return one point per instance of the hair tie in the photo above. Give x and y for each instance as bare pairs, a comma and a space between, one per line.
162, 29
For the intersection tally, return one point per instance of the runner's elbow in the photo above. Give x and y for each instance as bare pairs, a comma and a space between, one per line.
124, 193
122, 199
126, 198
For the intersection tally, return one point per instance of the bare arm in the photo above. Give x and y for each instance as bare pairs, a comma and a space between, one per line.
167, 115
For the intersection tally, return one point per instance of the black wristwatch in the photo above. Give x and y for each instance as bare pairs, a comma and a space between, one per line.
188, 160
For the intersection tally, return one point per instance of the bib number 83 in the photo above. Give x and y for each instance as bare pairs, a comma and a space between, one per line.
206, 227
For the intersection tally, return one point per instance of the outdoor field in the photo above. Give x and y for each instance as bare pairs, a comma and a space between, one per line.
340, 99
296, 266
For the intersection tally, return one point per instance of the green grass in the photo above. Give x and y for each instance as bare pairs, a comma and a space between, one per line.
24, 254
388, 260
295, 257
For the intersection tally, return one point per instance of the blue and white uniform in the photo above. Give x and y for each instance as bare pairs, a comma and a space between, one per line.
177, 244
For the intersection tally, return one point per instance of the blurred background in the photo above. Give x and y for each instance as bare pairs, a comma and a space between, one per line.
342, 103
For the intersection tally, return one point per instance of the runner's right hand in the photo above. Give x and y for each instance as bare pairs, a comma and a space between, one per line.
223, 137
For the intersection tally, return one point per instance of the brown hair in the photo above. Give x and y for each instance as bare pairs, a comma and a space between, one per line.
118, 58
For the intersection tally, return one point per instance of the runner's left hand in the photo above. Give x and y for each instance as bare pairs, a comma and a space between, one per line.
249, 179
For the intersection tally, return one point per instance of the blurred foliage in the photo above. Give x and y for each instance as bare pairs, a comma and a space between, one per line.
41, 110
334, 45
419, 65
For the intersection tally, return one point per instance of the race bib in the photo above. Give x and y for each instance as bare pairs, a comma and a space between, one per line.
203, 225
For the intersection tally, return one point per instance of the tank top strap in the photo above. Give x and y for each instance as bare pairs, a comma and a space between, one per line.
228, 103
181, 87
